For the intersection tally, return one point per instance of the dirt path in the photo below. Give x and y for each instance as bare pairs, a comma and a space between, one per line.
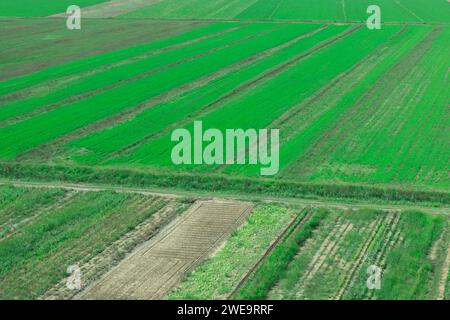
111, 8
444, 277
204, 195
154, 268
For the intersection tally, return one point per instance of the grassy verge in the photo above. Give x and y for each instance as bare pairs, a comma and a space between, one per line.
276, 264
217, 277
191, 182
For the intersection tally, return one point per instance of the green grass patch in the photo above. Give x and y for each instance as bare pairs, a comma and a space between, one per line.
218, 276
276, 264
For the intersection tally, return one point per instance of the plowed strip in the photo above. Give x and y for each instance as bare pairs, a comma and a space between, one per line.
151, 271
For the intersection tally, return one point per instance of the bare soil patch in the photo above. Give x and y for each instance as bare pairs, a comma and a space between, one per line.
159, 264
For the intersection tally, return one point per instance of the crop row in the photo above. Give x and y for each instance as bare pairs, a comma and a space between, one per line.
198, 100
258, 108
393, 11
386, 129
327, 257
22, 136
36, 256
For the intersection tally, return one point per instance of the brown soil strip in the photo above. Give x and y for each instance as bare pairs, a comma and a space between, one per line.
154, 268
99, 39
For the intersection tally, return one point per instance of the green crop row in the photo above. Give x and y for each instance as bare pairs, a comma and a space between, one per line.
409, 272
22, 136
37, 257
360, 139
218, 276
220, 183
124, 71
276, 263
107, 58
258, 108
331, 10
198, 100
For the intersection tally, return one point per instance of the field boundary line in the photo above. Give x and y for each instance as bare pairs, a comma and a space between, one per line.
227, 195
405, 8
294, 21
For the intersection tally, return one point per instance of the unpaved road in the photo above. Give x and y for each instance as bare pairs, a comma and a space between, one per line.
170, 193
159, 264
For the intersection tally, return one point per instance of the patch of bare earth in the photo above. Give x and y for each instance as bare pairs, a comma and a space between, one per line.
112, 8
112, 255
159, 264
443, 283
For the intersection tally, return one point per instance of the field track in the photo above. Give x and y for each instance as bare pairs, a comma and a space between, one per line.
152, 270
237, 197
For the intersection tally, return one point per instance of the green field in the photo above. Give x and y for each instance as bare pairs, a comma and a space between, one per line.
364, 150
280, 252
44, 231
353, 95
334, 10
324, 256
418, 11
39, 8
